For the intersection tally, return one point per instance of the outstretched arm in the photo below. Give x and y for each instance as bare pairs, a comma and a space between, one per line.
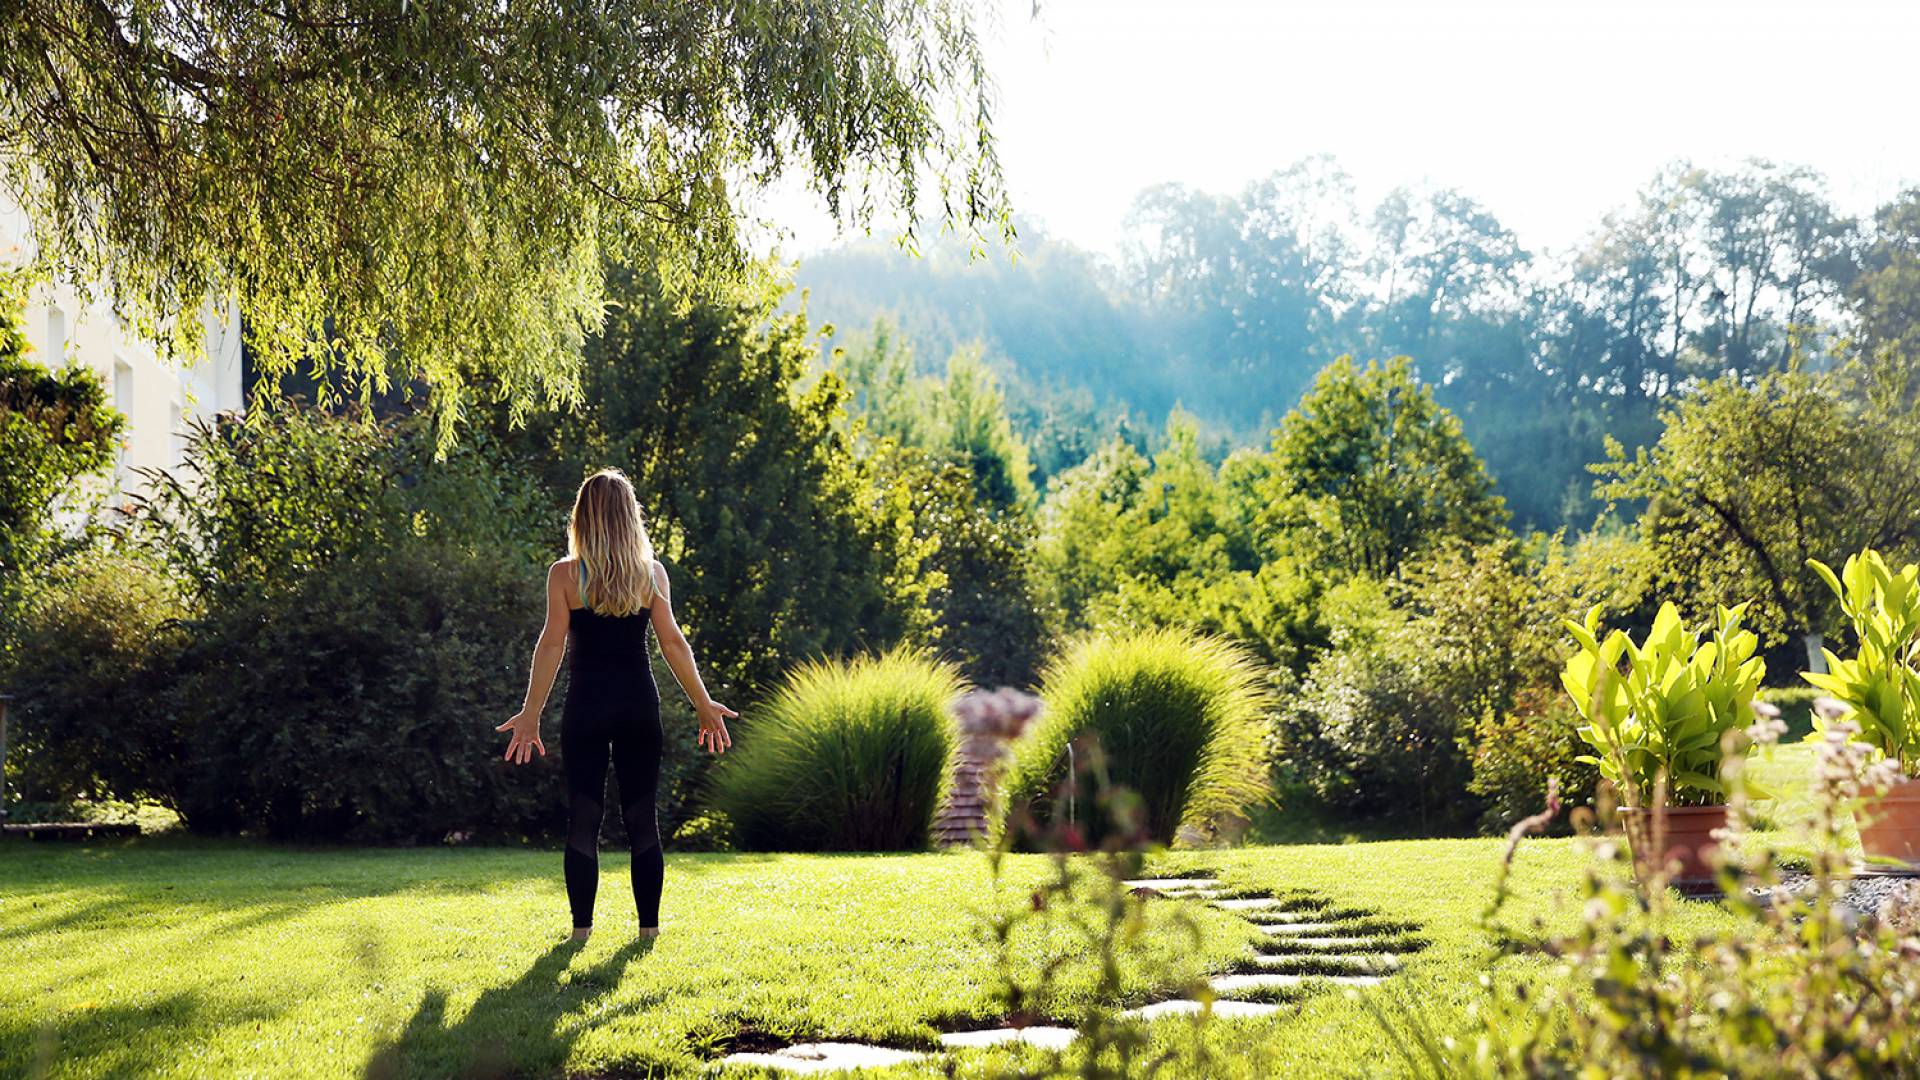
547, 652
679, 656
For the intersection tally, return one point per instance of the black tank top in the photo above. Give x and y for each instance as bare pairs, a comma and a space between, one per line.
608, 643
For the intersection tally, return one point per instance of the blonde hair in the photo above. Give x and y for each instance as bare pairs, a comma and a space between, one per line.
609, 540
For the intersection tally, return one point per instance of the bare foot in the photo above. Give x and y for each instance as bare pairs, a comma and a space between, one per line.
581, 933
649, 931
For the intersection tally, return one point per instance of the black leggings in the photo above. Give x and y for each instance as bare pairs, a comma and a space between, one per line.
605, 720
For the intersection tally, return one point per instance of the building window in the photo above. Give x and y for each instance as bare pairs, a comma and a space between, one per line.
176, 437
56, 336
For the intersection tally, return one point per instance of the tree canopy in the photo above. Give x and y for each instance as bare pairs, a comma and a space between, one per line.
1748, 482
56, 428
419, 193
1374, 466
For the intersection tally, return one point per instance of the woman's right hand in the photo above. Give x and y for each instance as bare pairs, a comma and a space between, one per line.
526, 737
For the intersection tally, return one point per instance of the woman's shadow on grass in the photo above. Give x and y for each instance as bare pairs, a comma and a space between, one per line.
511, 1029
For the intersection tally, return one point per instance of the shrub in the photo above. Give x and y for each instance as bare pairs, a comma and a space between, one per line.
96, 636
1438, 703
844, 757
1375, 731
360, 705
310, 634
1796, 707
1182, 721
1517, 753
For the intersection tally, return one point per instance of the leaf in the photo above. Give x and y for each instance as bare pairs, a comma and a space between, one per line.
1699, 781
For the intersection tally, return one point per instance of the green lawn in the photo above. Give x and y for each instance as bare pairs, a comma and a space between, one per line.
180, 958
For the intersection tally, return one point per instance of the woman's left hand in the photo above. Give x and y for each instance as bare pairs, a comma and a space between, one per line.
713, 726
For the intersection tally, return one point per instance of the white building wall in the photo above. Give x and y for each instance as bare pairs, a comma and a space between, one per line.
157, 397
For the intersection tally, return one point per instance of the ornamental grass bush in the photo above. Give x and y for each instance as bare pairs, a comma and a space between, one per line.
1179, 719
846, 756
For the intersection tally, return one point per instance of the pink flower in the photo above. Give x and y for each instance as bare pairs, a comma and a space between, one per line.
1883, 774
1767, 730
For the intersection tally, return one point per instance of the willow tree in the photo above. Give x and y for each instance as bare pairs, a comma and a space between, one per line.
425, 192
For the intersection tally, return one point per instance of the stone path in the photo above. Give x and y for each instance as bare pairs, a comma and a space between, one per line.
1053, 1038
1309, 946
825, 1057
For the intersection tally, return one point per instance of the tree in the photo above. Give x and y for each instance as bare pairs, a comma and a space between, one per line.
885, 394
1129, 541
1247, 285
426, 191
56, 429
1370, 471
1122, 517
1885, 295
977, 433
1749, 481
783, 544
1440, 263
1707, 273
986, 611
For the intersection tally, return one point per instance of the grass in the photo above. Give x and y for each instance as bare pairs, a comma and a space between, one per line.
177, 957
184, 958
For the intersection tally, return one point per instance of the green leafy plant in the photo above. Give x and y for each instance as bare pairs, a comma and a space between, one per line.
1806, 985
844, 757
1669, 720
1182, 718
1881, 683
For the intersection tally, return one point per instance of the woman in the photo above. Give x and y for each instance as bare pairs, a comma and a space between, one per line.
600, 600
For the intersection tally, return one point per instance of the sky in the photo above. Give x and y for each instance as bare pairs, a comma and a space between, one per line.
1549, 112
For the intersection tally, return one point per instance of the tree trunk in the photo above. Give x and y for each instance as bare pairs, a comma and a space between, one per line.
1816, 659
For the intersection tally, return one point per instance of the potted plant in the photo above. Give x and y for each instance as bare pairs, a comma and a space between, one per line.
1663, 716
1880, 686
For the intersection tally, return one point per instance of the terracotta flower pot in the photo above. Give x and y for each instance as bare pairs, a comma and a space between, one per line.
1686, 838
1889, 821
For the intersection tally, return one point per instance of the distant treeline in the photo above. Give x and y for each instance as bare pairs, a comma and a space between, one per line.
1226, 305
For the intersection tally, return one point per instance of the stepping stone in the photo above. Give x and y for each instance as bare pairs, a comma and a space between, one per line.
1360, 963
1296, 928
1224, 1009
1251, 903
1187, 884
1269, 917
1049, 1038
1238, 984
826, 1057
1329, 942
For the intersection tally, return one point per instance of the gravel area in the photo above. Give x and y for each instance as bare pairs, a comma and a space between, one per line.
1864, 895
